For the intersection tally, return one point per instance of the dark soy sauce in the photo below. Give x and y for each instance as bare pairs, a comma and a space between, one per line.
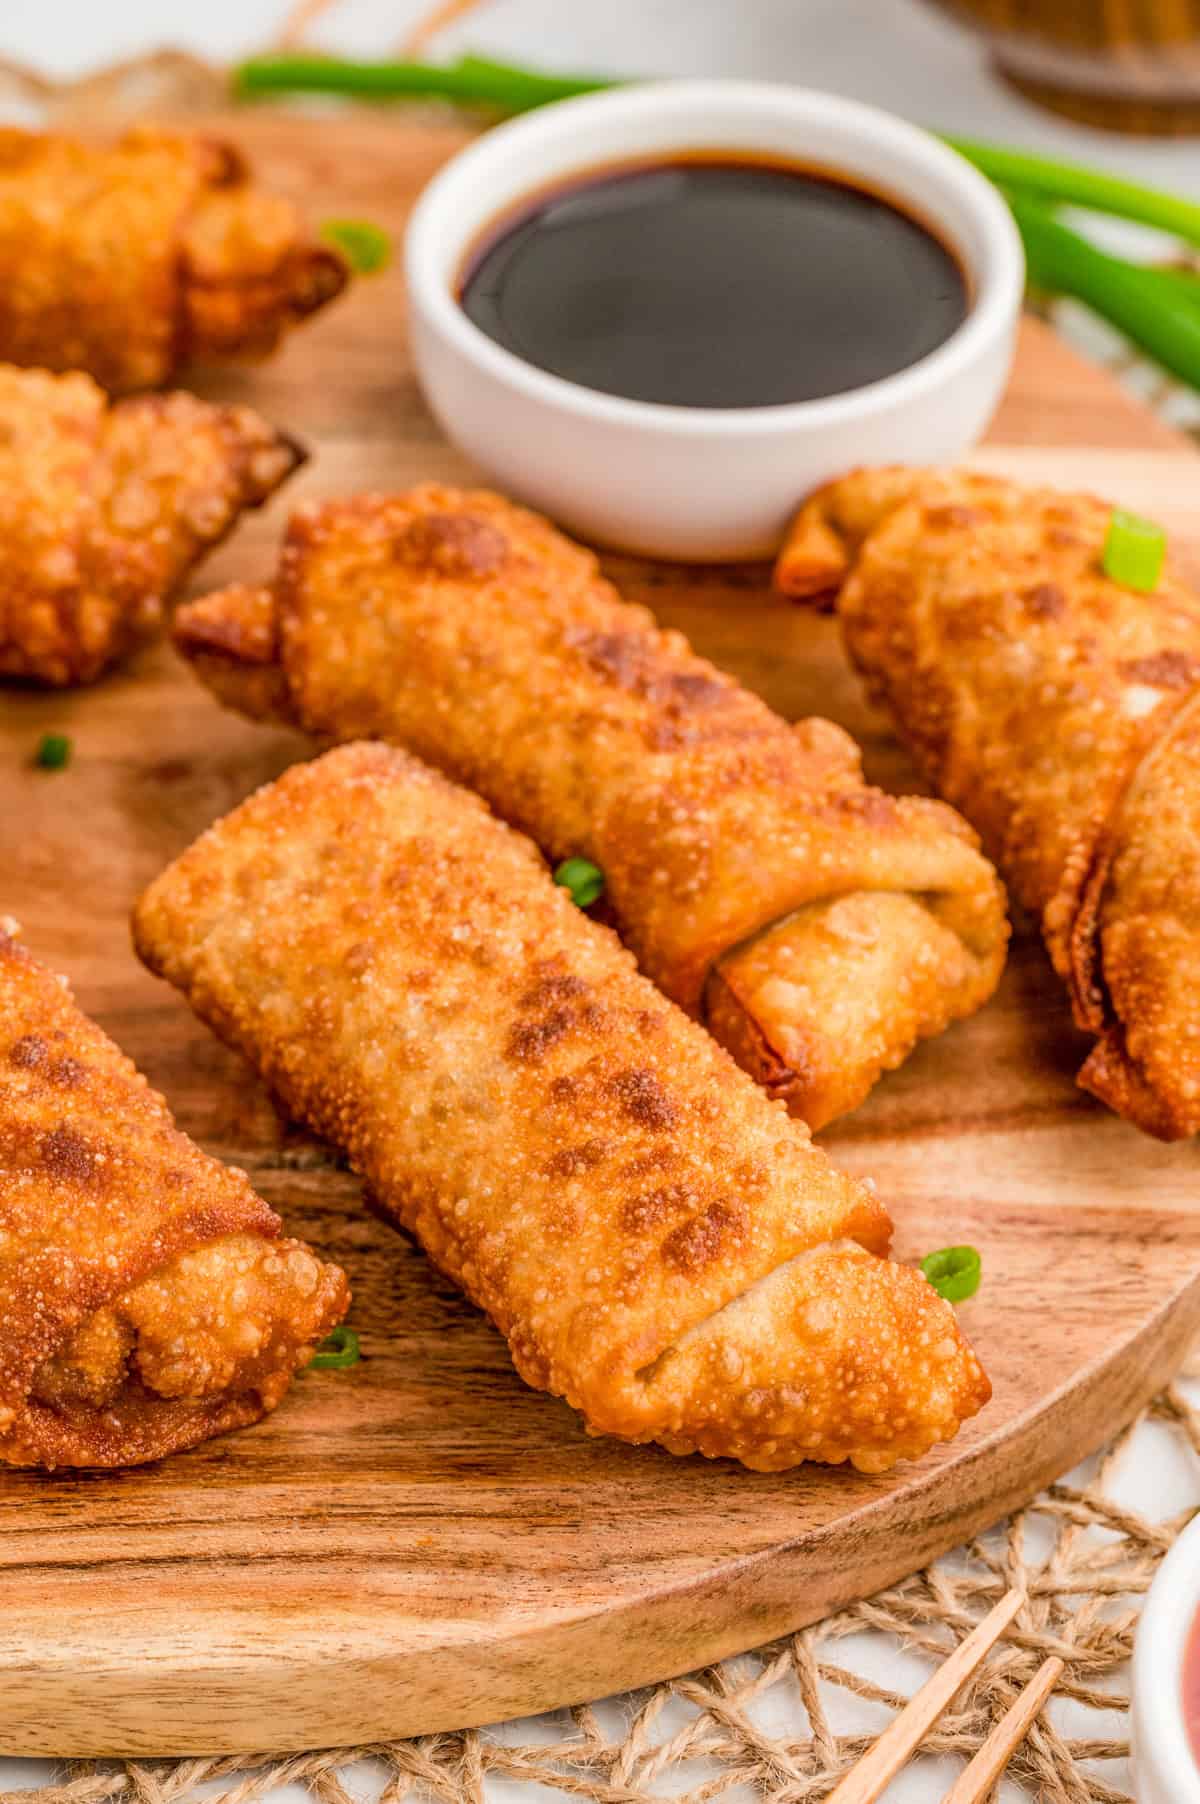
714, 281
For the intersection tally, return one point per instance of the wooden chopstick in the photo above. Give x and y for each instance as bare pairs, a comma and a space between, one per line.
976, 1780
880, 1764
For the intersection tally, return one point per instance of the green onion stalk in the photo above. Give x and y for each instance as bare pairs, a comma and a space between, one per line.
471, 81
1070, 184
1156, 309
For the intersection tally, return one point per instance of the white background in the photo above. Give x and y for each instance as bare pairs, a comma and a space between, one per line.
896, 53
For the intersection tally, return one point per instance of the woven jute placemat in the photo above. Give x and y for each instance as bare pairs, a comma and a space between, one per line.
784, 1723
771, 1725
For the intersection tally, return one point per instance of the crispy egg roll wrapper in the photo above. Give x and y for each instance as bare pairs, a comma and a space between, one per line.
105, 507
147, 1298
817, 925
126, 260
1058, 710
658, 1242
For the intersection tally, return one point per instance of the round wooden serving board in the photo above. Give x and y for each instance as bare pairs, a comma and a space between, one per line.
421, 1542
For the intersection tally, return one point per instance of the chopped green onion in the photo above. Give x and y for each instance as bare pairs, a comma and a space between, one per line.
367, 248
54, 752
337, 1350
1134, 550
954, 1272
584, 879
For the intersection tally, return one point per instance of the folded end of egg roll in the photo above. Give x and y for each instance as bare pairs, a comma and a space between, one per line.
231, 640
105, 507
250, 271
126, 259
818, 1006
781, 1372
209, 1343
147, 1299
818, 552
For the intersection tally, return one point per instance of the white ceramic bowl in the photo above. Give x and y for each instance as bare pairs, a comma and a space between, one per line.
1165, 1767
702, 483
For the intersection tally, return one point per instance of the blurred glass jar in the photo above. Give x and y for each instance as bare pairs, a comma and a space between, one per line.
1129, 65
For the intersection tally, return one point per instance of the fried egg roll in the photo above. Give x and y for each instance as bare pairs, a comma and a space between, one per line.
656, 1240
147, 1300
128, 260
819, 927
105, 507
1061, 712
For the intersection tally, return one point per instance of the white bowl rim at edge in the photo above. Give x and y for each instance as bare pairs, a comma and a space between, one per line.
1171, 1608
998, 288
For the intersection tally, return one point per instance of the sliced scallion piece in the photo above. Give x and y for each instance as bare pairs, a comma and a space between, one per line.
954, 1272
582, 878
367, 248
1134, 551
337, 1350
53, 752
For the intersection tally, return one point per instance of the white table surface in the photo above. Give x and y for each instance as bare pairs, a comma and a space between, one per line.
895, 53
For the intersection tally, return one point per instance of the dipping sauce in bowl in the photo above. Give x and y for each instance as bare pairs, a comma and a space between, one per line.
711, 280
663, 314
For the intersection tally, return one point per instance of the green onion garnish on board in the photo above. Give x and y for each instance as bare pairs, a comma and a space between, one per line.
367, 248
1134, 551
53, 752
582, 878
337, 1350
954, 1272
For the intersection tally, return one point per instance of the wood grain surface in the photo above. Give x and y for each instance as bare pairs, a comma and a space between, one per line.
421, 1542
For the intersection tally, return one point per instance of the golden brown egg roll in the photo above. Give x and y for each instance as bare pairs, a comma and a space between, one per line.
656, 1240
105, 507
819, 927
147, 1300
127, 260
1061, 712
